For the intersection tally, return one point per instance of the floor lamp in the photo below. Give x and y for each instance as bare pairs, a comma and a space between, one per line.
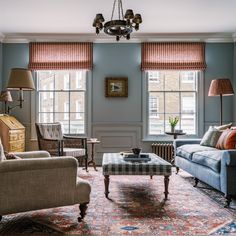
221, 87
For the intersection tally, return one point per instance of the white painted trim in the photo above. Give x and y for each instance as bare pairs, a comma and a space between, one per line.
135, 37
2, 36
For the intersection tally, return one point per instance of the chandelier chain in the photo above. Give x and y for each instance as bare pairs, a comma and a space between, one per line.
113, 9
122, 9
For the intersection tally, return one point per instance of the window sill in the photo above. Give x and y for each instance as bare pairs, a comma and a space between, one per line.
168, 138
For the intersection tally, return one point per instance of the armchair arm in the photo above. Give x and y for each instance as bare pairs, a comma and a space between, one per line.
179, 142
40, 183
32, 154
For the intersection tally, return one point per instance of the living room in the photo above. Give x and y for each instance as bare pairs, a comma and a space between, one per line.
120, 98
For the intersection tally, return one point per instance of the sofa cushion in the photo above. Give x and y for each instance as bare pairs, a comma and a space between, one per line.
186, 151
209, 159
211, 137
227, 140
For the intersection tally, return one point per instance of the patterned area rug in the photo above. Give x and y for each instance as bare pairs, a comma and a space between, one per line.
136, 207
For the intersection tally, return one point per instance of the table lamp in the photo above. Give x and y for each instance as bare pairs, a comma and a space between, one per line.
221, 87
20, 79
5, 97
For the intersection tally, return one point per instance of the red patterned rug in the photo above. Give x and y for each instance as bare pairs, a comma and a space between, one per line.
136, 208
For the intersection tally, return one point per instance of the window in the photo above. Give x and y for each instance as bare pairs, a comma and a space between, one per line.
78, 109
175, 94
79, 79
64, 102
154, 77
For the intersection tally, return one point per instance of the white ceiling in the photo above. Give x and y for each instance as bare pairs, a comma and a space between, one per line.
20, 18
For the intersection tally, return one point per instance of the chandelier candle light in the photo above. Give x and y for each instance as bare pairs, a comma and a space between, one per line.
123, 26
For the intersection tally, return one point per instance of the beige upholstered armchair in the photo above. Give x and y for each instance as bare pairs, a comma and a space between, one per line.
51, 138
38, 181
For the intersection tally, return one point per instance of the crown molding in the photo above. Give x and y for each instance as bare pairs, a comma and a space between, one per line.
103, 38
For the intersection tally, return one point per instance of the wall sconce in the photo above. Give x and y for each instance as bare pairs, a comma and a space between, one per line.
20, 79
5, 97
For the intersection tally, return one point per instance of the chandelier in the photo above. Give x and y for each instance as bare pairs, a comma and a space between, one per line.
121, 27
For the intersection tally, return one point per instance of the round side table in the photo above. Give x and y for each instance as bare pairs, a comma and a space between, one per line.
175, 134
92, 141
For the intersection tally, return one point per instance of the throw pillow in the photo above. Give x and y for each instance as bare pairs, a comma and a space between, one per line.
2, 156
224, 127
227, 140
211, 137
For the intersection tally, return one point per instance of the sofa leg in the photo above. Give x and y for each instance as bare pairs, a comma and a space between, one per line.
83, 207
228, 200
196, 182
177, 170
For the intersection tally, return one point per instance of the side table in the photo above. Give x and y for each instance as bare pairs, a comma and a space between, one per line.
175, 135
92, 141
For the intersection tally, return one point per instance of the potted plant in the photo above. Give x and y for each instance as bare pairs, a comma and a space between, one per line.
173, 122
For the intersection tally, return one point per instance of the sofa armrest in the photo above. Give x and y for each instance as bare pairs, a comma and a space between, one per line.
41, 183
179, 142
32, 154
228, 172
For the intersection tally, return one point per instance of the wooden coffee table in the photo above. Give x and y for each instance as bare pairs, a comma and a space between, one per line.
114, 164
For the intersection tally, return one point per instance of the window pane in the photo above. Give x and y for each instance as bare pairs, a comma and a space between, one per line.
45, 117
171, 81
156, 125
77, 125
187, 81
155, 81
188, 103
59, 117
156, 104
45, 78
61, 98
62, 80
45, 102
172, 103
188, 123
78, 80
77, 101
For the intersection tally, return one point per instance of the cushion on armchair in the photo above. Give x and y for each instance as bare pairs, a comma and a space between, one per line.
186, 151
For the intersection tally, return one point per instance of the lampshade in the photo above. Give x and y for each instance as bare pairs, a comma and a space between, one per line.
221, 86
20, 79
5, 96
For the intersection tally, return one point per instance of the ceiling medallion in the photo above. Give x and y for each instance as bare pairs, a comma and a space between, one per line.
121, 27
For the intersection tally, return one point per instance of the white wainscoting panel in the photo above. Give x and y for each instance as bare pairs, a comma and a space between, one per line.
116, 138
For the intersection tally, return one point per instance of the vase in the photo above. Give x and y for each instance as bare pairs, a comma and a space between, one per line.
172, 129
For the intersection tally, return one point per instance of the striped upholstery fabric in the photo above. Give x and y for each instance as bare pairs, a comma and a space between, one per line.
114, 164
75, 152
51, 131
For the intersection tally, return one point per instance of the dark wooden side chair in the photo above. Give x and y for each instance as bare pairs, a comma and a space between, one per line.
51, 139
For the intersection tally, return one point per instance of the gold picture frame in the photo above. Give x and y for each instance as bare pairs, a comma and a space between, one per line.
116, 87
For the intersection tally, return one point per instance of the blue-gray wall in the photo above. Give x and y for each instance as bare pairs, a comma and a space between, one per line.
117, 60
124, 60
219, 59
234, 66
0, 65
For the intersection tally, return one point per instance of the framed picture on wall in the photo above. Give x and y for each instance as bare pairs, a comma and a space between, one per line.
116, 87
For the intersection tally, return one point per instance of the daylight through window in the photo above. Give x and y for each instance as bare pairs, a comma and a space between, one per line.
62, 97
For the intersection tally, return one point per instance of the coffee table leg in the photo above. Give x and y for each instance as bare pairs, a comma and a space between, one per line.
166, 182
106, 182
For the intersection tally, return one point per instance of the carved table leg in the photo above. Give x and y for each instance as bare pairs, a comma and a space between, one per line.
196, 182
83, 207
228, 200
106, 182
166, 182
177, 170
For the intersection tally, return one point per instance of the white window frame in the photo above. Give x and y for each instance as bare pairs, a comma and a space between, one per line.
199, 110
87, 109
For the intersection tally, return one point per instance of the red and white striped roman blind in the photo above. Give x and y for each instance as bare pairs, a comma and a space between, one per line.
60, 56
173, 56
